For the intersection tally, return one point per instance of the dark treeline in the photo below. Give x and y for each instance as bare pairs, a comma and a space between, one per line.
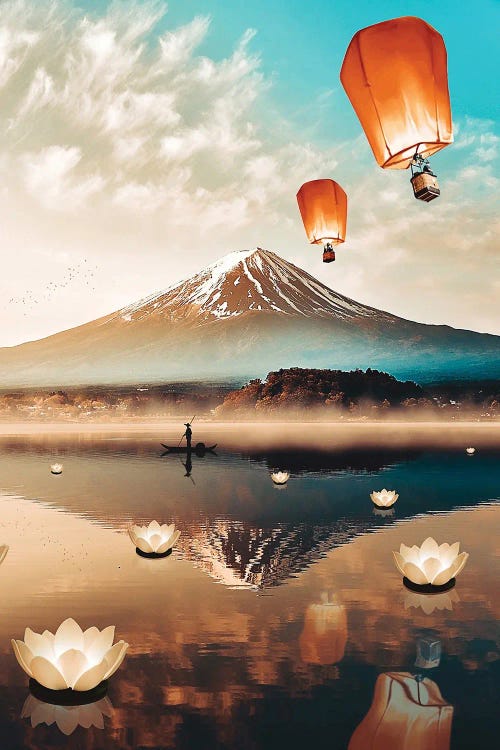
358, 392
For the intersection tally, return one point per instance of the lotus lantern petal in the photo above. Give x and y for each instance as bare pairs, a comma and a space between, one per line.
430, 564
384, 498
56, 469
67, 718
154, 539
72, 658
280, 477
470, 451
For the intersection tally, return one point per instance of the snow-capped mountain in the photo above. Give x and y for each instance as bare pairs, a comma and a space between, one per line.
242, 282
247, 314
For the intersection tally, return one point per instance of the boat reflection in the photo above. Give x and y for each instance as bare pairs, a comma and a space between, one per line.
428, 603
407, 713
324, 635
67, 718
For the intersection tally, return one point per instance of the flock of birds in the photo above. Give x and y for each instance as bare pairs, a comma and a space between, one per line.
82, 273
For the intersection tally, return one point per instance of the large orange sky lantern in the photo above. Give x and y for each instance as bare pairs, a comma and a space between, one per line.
395, 75
323, 207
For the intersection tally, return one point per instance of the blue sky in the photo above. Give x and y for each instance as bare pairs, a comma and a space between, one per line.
302, 44
144, 142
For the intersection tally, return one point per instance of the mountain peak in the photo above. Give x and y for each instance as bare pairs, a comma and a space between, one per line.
246, 281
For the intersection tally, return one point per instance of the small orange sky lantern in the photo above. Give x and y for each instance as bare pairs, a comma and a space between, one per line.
323, 207
395, 75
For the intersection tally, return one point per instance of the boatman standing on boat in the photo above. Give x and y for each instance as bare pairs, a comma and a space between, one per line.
188, 434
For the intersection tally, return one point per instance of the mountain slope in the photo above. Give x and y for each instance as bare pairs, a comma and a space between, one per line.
249, 313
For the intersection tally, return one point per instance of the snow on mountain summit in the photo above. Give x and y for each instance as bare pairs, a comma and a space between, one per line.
242, 282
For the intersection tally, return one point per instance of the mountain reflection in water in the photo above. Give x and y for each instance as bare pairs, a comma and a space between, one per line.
271, 621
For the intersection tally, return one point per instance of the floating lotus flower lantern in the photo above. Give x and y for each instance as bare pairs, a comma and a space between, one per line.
67, 718
71, 666
280, 477
384, 498
154, 540
324, 636
470, 451
430, 568
56, 469
406, 712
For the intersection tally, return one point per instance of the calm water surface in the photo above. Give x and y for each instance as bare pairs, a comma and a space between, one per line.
279, 621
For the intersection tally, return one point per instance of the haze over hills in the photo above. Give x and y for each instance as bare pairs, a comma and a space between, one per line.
248, 313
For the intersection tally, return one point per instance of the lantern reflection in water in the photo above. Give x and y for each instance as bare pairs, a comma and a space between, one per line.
428, 603
407, 713
324, 635
67, 718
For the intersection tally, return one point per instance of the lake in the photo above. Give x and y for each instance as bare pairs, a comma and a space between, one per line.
280, 619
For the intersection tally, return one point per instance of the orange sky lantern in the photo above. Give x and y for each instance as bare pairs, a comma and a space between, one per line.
323, 207
395, 75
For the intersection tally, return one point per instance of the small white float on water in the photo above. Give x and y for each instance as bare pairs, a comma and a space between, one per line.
384, 498
280, 477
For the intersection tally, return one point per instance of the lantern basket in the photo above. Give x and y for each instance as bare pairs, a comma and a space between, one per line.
68, 697
423, 180
328, 254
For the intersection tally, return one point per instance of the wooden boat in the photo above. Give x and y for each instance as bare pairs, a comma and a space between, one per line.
199, 448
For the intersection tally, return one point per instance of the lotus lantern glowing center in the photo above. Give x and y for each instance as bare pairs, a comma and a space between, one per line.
154, 538
470, 451
431, 563
56, 468
280, 477
384, 498
71, 658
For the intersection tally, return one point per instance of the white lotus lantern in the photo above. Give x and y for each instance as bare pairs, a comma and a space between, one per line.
470, 451
70, 660
56, 469
154, 540
4, 548
384, 498
67, 718
431, 567
280, 477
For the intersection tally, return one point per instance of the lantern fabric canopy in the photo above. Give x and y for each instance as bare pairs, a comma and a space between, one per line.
323, 207
395, 75
406, 714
